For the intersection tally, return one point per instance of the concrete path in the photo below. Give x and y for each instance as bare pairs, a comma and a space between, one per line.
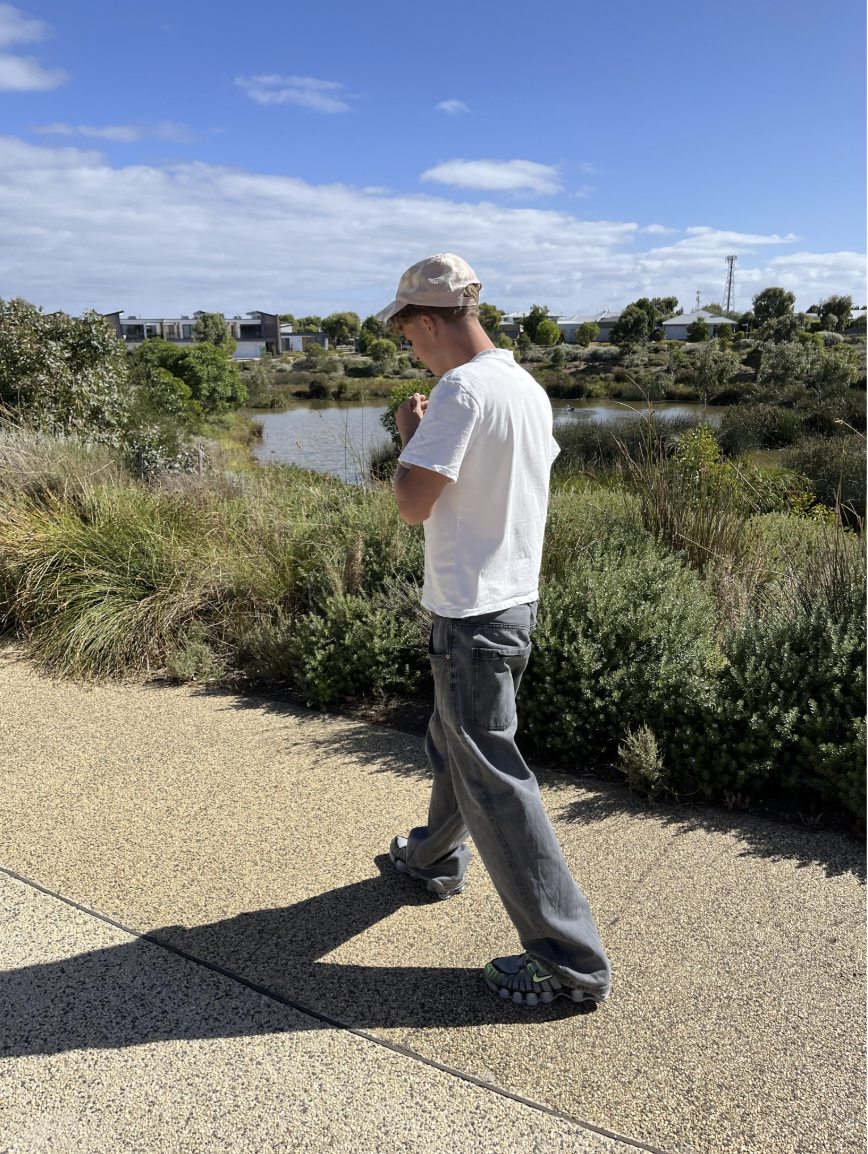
251, 837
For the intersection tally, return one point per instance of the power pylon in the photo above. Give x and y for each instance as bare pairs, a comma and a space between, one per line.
729, 291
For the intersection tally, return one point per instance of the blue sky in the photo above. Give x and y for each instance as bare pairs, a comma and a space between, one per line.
194, 154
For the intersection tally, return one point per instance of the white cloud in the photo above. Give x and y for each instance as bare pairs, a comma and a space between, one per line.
24, 73
584, 191
658, 230
17, 27
318, 95
497, 175
119, 133
76, 232
452, 106
589, 169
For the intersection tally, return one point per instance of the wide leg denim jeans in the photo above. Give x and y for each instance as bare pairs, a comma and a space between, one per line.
483, 787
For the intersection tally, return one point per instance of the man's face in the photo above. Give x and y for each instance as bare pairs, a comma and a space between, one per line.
421, 332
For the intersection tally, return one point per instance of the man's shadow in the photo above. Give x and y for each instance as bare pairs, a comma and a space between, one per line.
137, 992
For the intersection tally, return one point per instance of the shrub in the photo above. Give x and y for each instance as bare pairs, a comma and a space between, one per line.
586, 332
640, 761
833, 466
625, 639
65, 373
354, 645
829, 338
397, 396
791, 706
319, 388
547, 333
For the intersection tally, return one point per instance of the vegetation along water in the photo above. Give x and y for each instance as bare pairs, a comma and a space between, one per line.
702, 611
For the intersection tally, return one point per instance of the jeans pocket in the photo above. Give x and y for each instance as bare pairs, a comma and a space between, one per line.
494, 680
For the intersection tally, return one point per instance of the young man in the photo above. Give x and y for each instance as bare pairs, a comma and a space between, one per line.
475, 470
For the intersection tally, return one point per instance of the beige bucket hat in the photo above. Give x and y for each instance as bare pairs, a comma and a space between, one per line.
442, 281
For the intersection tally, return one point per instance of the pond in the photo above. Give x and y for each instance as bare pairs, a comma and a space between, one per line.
337, 437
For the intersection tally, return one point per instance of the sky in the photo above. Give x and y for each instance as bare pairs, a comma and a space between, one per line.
297, 158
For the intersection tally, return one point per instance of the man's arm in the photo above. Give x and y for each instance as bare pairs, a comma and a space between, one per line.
416, 489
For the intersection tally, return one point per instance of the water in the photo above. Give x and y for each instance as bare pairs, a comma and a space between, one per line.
324, 435
334, 437
606, 409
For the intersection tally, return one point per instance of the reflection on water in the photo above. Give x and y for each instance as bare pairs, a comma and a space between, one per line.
338, 438
610, 410
323, 435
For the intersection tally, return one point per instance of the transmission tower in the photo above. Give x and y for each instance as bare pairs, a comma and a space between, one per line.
729, 291
698, 303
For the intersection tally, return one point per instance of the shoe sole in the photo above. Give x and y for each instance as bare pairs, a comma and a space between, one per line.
403, 868
531, 999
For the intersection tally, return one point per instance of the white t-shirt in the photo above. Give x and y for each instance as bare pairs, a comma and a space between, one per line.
488, 428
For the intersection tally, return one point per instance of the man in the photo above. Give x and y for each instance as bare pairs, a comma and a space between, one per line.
474, 469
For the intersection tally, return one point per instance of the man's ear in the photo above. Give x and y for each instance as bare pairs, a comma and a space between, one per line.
430, 325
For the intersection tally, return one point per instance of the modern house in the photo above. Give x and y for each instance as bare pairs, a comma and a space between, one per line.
255, 334
675, 328
291, 342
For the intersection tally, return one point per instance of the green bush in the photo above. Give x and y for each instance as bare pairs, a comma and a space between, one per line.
834, 466
354, 645
627, 638
790, 708
398, 395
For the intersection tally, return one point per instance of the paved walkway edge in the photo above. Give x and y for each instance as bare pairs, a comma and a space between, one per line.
405, 1051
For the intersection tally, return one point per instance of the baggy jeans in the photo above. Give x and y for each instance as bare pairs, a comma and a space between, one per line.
483, 787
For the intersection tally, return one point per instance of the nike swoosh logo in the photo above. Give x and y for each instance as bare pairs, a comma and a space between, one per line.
543, 978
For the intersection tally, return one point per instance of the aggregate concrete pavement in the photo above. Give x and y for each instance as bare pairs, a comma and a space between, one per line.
122, 1046
252, 835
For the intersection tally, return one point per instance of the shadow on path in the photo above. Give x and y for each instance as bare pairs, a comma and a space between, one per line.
134, 993
386, 750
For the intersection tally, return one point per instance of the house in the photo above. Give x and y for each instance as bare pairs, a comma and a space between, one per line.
291, 342
255, 334
509, 324
675, 328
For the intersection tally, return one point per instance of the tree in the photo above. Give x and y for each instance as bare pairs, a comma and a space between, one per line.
341, 328
547, 333
724, 334
66, 372
782, 329
533, 319
381, 350
212, 378
772, 303
586, 332
502, 341
664, 306
489, 318
698, 330
211, 327
834, 312
287, 319
558, 357
631, 327
373, 329
714, 367
311, 324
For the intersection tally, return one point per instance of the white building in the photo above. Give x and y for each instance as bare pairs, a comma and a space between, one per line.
509, 323
255, 334
291, 342
676, 327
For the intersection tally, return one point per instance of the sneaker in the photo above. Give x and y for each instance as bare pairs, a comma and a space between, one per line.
523, 979
442, 887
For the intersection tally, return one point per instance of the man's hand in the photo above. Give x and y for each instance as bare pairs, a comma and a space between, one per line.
409, 415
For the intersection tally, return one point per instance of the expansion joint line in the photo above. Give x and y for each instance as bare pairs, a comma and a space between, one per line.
335, 1023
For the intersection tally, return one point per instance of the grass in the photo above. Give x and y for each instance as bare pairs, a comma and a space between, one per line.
656, 589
